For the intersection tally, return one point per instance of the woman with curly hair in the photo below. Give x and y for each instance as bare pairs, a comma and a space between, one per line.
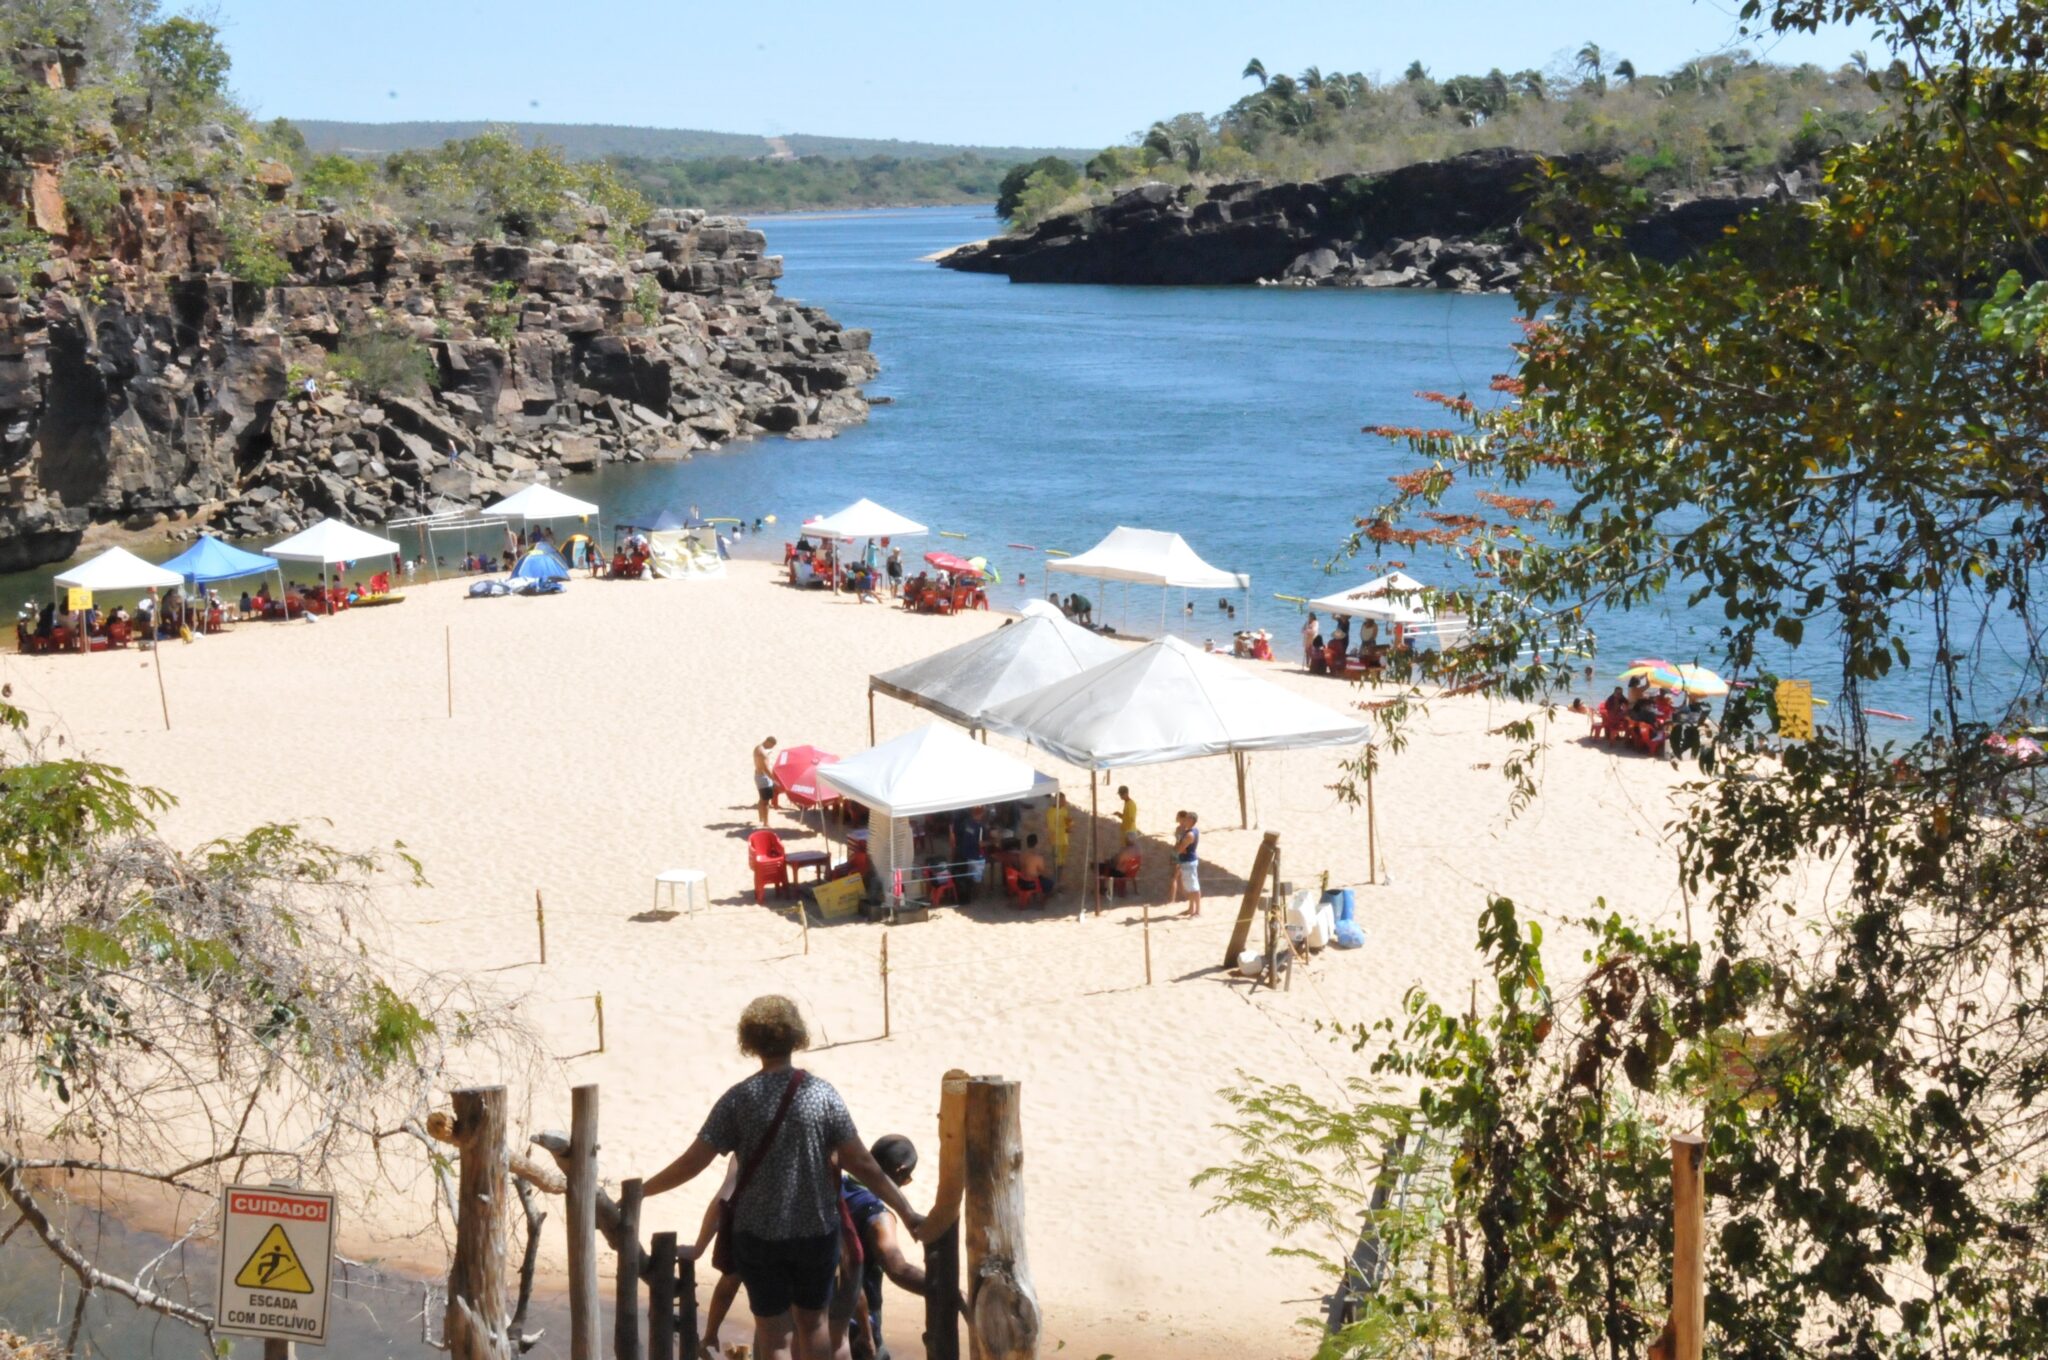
785, 1128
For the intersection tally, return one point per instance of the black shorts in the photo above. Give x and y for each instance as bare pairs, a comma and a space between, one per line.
780, 1275
764, 788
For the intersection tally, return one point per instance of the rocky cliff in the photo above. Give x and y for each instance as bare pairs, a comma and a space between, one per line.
140, 382
1449, 224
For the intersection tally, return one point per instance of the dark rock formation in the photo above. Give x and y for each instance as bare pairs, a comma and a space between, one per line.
143, 384
1451, 224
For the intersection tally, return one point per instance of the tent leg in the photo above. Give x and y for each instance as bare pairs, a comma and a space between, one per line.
871, 717
1094, 855
1372, 837
1244, 817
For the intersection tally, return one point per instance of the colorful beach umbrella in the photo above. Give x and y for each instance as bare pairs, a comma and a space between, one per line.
1699, 681
1659, 673
988, 573
795, 770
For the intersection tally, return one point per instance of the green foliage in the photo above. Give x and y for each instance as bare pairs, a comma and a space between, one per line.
341, 178
386, 361
184, 67
491, 182
500, 307
1045, 193
250, 255
750, 184
91, 198
1050, 170
1828, 428
647, 300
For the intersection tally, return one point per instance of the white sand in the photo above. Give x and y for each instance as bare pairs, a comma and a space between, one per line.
603, 736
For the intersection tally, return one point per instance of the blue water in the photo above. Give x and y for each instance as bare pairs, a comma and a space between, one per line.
1047, 415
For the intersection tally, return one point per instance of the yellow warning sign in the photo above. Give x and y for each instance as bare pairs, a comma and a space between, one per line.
1795, 709
274, 1265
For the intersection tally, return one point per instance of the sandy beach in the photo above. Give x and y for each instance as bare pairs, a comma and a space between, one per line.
603, 736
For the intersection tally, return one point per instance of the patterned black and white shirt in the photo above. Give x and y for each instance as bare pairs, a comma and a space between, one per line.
795, 1192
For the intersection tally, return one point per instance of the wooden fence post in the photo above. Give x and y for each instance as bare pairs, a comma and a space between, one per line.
1688, 1238
1002, 1307
686, 1305
661, 1298
626, 1295
942, 1253
475, 1324
581, 1173
540, 924
885, 986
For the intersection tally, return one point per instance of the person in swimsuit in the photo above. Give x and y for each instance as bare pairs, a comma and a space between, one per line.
764, 782
1187, 863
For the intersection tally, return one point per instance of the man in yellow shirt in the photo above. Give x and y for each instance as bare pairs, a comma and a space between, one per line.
1130, 827
1059, 824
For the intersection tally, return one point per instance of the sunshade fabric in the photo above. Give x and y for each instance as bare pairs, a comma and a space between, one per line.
212, 560
795, 770
330, 541
952, 564
1393, 598
119, 569
933, 769
1168, 701
1150, 557
964, 682
865, 519
540, 502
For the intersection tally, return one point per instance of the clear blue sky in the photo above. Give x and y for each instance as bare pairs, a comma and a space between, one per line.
1081, 73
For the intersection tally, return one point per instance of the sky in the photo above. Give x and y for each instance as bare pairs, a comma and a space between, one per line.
1073, 73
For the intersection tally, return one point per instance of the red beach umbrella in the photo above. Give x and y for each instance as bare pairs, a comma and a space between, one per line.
956, 566
795, 770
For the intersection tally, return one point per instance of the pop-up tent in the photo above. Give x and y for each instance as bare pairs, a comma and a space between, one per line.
119, 569
540, 502
1393, 601
332, 543
1151, 557
864, 519
210, 559
933, 769
964, 682
1168, 701
540, 564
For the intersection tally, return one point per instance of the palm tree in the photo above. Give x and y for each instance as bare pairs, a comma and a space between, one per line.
1589, 60
1626, 70
1255, 68
1860, 60
1531, 84
1416, 73
1283, 88
1159, 139
1312, 79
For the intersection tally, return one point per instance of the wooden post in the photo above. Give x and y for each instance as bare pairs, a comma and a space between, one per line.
942, 1252
1688, 1238
448, 651
581, 1173
1372, 829
1002, 1306
1254, 888
1244, 816
1148, 940
661, 1298
871, 715
156, 649
540, 923
599, 1001
686, 1307
626, 1288
885, 986
276, 1348
1094, 856
475, 1325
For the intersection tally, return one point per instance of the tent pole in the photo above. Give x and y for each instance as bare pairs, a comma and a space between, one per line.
1243, 817
871, 715
1372, 848
1094, 855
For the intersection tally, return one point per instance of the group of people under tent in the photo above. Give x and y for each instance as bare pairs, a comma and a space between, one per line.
178, 613
1652, 718
1333, 653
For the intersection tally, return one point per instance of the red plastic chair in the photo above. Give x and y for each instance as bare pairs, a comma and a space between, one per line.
769, 862
1123, 885
1022, 894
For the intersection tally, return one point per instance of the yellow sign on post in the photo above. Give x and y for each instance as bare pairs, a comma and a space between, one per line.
1795, 709
839, 898
77, 598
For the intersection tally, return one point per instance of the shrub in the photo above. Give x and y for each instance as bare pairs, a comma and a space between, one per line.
1048, 170
338, 177
183, 65
251, 256
387, 362
91, 198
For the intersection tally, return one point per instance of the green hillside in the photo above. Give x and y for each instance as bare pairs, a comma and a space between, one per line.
595, 141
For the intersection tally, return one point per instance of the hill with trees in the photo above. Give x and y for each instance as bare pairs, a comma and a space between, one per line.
597, 141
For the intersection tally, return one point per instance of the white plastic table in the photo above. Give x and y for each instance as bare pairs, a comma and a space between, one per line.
689, 879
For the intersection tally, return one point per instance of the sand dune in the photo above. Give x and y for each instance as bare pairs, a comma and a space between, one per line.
601, 737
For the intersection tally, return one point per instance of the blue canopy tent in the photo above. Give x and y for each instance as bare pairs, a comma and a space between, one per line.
543, 566
211, 559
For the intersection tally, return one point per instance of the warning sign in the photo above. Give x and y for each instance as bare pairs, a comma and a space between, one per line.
277, 1248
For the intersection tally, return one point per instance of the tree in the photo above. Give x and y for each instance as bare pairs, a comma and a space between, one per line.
1255, 70
1055, 169
1827, 428
1626, 70
176, 1018
183, 65
1416, 73
1589, 60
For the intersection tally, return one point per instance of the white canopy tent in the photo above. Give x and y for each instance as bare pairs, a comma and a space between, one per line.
933, 769
865, 519
1169, 701
1152, 557
330, 543
540, 502
962, 683
1393, 601
119, 569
